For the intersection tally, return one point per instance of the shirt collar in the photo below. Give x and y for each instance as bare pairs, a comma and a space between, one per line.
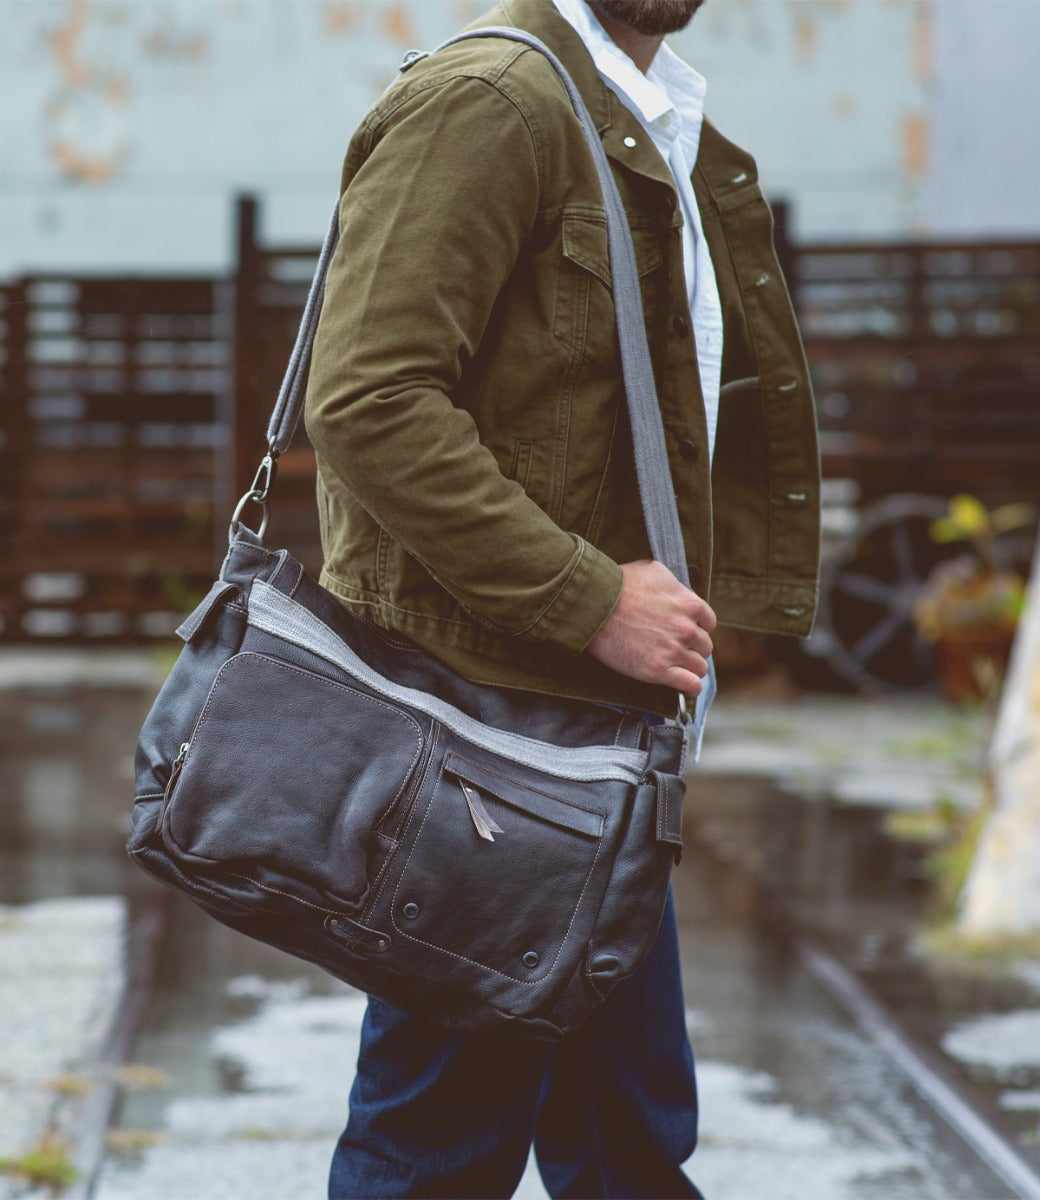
670, 86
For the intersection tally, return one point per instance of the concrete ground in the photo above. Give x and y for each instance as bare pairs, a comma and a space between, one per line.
244, 1059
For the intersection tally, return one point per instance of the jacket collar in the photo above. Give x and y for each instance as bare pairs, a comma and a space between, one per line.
543, 19
613, 120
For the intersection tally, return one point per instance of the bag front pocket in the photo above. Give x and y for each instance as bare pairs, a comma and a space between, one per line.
498, 870
287, 779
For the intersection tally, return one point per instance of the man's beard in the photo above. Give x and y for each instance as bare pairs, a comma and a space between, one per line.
651, 17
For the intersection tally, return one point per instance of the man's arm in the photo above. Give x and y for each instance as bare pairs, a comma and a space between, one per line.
432, 225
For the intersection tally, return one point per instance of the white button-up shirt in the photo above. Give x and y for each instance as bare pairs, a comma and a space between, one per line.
668, 101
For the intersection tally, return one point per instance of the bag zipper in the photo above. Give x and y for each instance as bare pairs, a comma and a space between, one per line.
175, 770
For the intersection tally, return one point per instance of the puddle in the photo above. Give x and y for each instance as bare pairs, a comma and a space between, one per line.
1007, 1044
66, 788
832, 869
255, 1049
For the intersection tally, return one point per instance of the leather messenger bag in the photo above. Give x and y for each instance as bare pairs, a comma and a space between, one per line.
486, 858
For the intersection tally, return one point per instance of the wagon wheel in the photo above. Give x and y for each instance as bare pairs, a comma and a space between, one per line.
869, 585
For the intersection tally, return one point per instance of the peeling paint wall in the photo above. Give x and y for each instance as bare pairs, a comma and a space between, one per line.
128, 125
985, 168
830, 96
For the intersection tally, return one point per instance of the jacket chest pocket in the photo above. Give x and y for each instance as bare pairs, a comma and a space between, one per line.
583, 316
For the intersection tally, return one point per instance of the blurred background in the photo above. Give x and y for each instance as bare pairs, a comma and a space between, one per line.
168, 170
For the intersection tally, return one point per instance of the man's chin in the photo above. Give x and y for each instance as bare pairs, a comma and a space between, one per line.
654, 18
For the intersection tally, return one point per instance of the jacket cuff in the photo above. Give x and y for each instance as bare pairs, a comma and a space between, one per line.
583, 603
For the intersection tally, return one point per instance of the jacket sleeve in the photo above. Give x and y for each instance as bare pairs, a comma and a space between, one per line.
431, 224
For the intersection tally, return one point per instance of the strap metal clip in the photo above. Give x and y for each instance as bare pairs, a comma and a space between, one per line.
258, 493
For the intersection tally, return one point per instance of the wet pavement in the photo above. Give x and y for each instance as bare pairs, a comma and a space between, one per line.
244, 1057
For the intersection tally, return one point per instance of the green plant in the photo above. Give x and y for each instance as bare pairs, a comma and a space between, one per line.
949, 865
70, 1085
125, 1141
949, 836
47, 1163
958, 596
975, 590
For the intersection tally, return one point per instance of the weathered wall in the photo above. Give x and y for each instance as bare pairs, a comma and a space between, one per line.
985, 164
127, 125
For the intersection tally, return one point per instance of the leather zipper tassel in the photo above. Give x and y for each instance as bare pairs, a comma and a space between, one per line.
483, 821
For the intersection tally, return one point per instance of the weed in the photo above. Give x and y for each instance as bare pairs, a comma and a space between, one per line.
141, 1077
123, 1141
949, 864
48, 1163
768, 730
943, 940
69, 1085
259, 1133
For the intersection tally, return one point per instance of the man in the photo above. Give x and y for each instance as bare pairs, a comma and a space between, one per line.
477, 493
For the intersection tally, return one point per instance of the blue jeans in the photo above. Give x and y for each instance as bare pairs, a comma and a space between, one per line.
611, 1109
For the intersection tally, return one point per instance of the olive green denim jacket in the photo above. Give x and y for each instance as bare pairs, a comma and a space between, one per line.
476, 485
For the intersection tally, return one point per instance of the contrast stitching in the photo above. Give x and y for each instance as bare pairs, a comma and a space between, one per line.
383, 876
288, 895
462, 957
329, 683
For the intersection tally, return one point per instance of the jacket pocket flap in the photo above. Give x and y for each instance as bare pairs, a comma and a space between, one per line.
585, 244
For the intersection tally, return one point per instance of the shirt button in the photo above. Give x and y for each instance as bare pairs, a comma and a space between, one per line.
688, 450
679, 324
630, 142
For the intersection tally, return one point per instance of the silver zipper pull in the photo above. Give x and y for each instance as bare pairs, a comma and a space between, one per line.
175, 770
483, 821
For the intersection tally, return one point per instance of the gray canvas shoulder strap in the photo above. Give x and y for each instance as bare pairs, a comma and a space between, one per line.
651, 458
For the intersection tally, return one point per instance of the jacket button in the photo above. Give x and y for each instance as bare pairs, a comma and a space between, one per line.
411, 910
688, 450
680, 325
531, 960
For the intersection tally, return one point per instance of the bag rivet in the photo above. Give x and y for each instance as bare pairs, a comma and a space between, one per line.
411, 910
531, 959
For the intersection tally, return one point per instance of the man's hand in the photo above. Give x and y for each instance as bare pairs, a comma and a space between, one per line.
659, 631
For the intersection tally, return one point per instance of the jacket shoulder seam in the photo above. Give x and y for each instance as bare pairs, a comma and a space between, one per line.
492, 78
